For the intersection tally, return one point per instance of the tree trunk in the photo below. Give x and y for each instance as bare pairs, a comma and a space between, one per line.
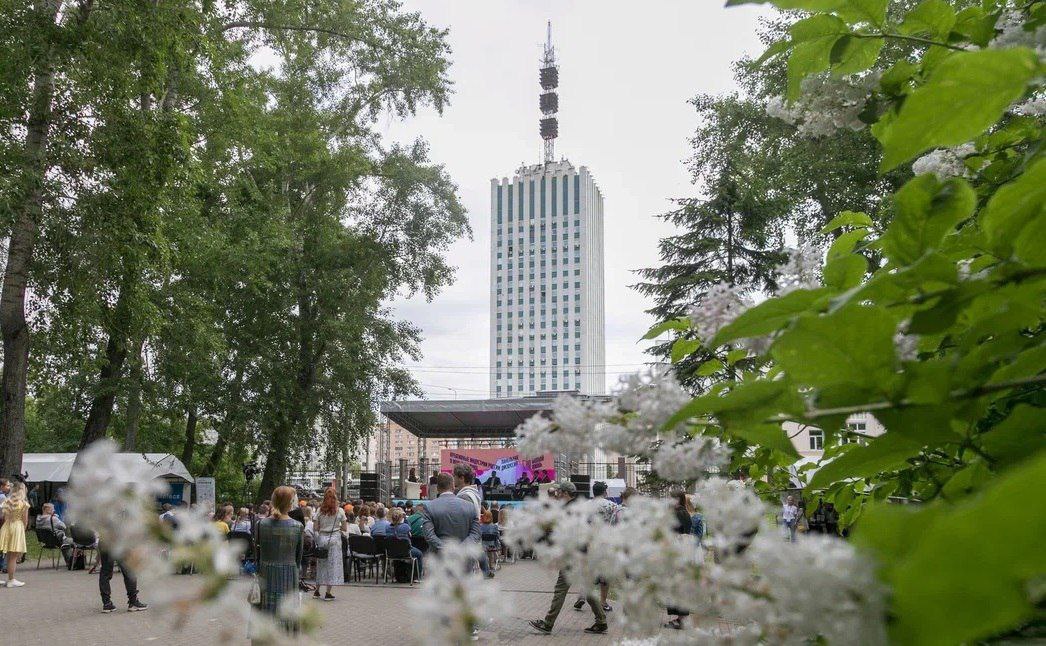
190, 438
134, 402
275, 462
26, 207
217, 454
101, 411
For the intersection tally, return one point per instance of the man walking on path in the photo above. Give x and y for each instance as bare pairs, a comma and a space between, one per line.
105, 575
567, 490
608, 514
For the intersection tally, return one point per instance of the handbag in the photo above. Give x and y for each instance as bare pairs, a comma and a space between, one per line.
254, 593
323, 551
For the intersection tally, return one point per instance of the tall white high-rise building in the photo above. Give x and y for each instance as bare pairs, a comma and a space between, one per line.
546, 267
546, 291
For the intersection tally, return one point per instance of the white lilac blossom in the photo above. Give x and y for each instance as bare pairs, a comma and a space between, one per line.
1011, 32
114, 499
537, 435
649, 564
652, 566
820, 587
1032, 107
455, 600
827, 104
802, 270
732, 512
944, 162
574, 424
721, 304
651, 398
689, 459
905, 345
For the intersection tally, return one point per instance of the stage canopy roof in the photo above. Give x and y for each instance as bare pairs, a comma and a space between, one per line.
467, 418
56, 467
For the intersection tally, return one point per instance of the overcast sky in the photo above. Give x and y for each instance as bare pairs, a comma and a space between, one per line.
626, 72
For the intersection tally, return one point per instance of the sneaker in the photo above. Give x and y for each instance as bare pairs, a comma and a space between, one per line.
15, 583
607, 608
108, 607
579, 604
490, 574
136, 606
328, 597
539, 625
597, 629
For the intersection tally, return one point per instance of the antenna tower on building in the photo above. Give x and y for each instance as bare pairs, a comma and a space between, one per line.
549, 99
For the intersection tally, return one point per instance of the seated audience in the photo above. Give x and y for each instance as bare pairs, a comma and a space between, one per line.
380, 527
243, 521
223, 520
416, 520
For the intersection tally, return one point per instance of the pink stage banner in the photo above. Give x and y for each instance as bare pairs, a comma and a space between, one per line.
505, 462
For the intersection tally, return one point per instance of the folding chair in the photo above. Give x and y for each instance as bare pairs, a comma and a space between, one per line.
247, 540
362, 551
84, 542
48, 539
398, 550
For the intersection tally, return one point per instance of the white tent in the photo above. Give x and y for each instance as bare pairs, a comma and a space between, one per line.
56, 467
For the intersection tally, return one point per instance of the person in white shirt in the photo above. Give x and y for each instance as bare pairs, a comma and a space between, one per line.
790, 516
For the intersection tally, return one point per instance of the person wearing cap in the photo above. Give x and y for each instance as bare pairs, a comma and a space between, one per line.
566, 490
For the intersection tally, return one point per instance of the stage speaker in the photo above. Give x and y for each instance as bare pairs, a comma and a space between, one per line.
369, 490
583, 484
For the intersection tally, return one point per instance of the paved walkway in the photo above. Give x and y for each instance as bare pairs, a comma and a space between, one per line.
62, 607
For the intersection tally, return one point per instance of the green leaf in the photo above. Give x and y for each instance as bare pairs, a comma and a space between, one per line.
870, 11
734, 356
926, 210
808, 57
768, 316
1017, 437
976, 25
924, 425
1028, 363
1014, 214
851, 348
976, 87
709, 368
961, 573
846, 272
776, 48
847, 219
885, 453
933, 17
744, 402
815, 27
850, 54
665, 326
895, 79
771, 436
844, 244
684, 347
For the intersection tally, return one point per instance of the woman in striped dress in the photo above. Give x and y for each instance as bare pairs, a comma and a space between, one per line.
280, 544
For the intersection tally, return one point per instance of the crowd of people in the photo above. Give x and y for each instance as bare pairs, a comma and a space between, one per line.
300, 544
